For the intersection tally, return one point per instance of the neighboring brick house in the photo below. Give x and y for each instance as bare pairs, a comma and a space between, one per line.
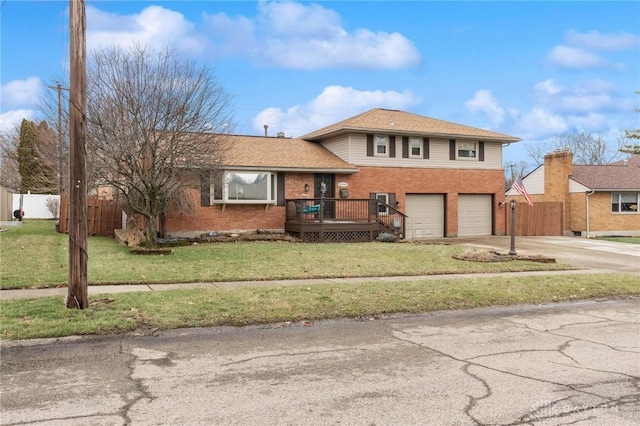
445, 177
598, 200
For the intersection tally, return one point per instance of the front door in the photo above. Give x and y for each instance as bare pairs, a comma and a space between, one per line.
329, 180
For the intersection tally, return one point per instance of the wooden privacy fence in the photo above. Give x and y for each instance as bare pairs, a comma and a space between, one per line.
541, 219
103, 216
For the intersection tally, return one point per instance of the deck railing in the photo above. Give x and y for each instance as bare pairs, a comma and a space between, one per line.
306, 214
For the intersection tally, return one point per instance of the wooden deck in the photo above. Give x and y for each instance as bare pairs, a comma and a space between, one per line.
342, 220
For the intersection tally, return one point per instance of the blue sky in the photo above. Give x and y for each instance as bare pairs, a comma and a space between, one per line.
525, 68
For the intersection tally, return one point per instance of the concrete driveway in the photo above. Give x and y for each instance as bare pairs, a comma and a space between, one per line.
579, 252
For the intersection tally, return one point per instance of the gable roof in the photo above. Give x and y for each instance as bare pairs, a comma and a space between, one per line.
400, 122
280, 154
621, 175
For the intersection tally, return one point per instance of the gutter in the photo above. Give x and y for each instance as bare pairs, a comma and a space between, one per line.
588, 195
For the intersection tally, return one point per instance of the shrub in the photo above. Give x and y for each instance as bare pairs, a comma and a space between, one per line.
386, 237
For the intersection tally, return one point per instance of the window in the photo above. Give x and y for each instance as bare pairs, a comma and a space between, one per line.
382, 208
243, 187
466, 150
382, 148
415, 147
624, 202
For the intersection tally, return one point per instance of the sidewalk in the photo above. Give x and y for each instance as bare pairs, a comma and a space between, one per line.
128, 288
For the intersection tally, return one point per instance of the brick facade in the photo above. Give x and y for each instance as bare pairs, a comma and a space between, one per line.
401, 181
237, 217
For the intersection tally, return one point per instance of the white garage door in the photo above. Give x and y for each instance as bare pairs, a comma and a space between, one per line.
474, 215
425, 216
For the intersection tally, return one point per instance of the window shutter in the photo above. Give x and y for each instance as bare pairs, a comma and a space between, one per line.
392, 199
205, 189
452, 149
369, 145
373, 206
280, 192
392, 146
405, 147
425, 148
481, 151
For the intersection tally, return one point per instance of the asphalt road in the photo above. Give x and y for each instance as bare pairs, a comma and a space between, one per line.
571, 363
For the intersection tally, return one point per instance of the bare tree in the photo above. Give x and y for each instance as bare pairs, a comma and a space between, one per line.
155, 120
512, 170
632, 136
54, 106
587, 148
9, 167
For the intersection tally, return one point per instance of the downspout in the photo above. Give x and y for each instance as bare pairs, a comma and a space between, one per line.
588, 195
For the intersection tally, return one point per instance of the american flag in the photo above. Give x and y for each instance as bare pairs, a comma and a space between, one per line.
518, 186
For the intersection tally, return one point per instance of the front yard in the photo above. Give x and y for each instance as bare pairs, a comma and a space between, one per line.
35, 256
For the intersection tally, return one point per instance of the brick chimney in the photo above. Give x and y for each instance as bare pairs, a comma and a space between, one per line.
558, 166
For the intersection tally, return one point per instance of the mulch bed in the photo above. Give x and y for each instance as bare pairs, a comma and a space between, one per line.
494, 256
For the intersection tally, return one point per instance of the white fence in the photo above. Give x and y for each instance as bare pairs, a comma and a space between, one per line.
34, 206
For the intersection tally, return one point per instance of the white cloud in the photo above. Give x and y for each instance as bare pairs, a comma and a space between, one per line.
154, 26
578, 50
594, 40
576, 58
548, 88
11, 120
284, 34
298, 36
586, 97
21, 93
335, 103
539, 124
484, 102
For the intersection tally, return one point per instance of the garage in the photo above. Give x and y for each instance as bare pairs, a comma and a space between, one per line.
475, 214
425, 216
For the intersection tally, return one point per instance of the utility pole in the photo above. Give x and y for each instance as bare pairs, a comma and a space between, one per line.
77, 296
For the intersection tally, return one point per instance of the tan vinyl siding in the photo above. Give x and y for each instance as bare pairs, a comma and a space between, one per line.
438, 155
339, 145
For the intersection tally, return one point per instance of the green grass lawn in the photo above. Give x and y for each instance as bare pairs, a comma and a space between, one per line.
630, 240
34, 255
145, 312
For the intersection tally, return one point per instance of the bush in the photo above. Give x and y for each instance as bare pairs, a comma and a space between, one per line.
385, 237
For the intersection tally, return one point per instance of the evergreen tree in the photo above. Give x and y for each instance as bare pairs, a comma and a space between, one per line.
27, 158
36, 174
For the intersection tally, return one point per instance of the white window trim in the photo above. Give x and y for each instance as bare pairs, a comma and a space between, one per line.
421, 147
272, 189
386, 201
458, 157
375, 147
619, 194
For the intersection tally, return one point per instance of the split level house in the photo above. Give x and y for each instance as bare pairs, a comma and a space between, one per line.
379, 171
597, 200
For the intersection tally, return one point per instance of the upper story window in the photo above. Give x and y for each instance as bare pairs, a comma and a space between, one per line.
466, 150
415, 147
382, 146
624, 202
243, 187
